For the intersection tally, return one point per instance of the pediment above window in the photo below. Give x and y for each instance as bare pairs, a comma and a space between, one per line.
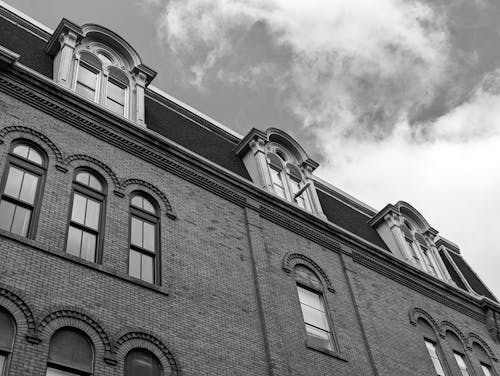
278, 164
100, 66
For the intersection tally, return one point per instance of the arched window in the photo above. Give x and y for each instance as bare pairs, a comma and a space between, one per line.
432, 346
141, 362
21, 188
314, 310
87, 216
287, 180
70, 353
7, 334
458, 353
98, 79
144, 239
484, 360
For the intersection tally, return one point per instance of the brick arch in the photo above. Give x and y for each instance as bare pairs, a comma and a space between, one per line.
92, 162
133, 338
155, 190
417, 313
473, 337
23, 316
446, 325
74, 317
34, 136
292, 259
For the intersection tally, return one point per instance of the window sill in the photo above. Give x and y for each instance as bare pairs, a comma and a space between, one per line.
326, 351
97, 267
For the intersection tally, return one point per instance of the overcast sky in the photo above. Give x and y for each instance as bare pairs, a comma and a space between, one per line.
397, 100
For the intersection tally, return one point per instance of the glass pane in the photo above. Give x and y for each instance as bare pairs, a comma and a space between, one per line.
486, 370
134, 264
143, 203
21, 221
435, 358
74, 241
22, 151
28, 189
7, 331
310, 298
71, 348
95, 183
88, 246
83, 177
92, 215
314, 317
79, 206
34, 156
136, 232
142, 362
87, 77
116, 93
2, 363
148, 206
149, 236
137, 201
461, 364
7, 210
14, 182
57, 372
115, 107
85, 91
319, 338
147, 272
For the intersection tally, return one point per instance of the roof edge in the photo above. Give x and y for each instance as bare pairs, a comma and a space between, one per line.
25, 21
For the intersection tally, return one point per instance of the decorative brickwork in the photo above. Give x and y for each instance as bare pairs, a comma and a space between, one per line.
416, 313
23, 315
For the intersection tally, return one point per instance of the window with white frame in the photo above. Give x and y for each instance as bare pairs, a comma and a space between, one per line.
287, 180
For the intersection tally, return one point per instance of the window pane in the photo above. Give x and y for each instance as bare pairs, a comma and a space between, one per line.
314, 317
94, 183
87, 77
319, 338
142, 362
79, 206
149, 236
34, 156
115, 107
461, 364
137, 201
142, 203
21, 221
310, 298
7, 330
22, 151
486, 370
147, 272
88, 246
7, 210
73, 349
134, 264
85, 91
435, 358
74, 241
136, 232
92, 215
116, 93
83, 177
2, 363
28, 189
57, 372
14, 182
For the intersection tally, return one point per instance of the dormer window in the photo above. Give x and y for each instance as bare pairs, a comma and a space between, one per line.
279, 165
101, 67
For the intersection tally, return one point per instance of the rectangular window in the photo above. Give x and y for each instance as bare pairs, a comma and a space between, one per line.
431, 348
428, 261
142, 251
86, 82
277, 181
2, 364
115, 99
300, 200
486, 369
461, 363
315, 319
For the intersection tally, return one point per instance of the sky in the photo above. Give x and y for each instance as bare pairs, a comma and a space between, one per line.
396, 99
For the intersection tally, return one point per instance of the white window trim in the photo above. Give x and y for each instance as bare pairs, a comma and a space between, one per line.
123, 86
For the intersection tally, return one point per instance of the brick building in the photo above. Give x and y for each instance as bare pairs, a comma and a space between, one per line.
140, 237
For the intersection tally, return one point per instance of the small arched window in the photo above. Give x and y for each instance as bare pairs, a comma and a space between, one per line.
314, 309
432, 346
458, 353
87, 216
7, 334
70, 353
144, 239
99, 81
141, 362
484, 359
21, 188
